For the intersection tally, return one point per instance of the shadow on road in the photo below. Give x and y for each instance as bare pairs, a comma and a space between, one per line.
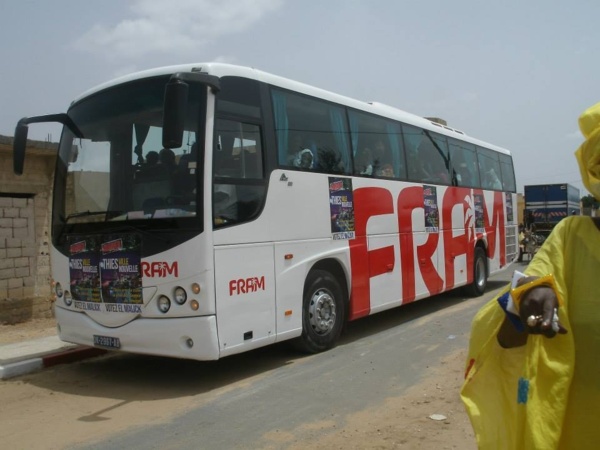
394, 317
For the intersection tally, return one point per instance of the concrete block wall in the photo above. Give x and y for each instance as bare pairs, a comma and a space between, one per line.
25, 274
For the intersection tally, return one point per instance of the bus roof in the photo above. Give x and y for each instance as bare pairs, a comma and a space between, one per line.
222, 70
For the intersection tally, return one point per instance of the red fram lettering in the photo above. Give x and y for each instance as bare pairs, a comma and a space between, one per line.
160, 269
432, 254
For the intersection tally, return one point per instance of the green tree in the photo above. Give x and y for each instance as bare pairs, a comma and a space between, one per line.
588, 201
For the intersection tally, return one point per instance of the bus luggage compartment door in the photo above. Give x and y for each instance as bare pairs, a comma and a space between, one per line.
245, 297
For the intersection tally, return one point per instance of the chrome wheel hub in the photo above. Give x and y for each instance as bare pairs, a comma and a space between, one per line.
321, 312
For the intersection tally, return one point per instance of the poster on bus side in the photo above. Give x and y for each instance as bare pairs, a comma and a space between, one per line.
509, 208
341, 207
432, 214
121, 272
83, 270
478, 204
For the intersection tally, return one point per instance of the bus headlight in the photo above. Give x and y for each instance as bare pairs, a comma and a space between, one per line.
195, 288
68, 299
58, 290
180, 295
164, 304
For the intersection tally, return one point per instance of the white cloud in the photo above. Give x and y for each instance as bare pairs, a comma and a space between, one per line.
575, 135
173, 26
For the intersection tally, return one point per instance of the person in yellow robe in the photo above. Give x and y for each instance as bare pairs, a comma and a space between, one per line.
539, 388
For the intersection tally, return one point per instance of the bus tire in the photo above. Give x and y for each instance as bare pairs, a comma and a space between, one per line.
477, 288
323, 312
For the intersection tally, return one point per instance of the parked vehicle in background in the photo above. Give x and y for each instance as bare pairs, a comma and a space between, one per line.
548, 204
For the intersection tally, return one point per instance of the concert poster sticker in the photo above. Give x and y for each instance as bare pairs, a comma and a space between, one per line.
509, 208
341, 208
432, 214
478, 204
83, 270
121, 272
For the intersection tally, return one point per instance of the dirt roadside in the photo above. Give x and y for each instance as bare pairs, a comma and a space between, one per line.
32, 329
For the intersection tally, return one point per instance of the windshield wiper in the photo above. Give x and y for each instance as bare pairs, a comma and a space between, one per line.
91, 213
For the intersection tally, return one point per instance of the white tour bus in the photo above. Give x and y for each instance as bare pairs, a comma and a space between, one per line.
204, 210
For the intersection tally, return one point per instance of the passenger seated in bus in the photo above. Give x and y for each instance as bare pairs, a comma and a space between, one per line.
155, 169
491, 180
462, 174
151, 158
304, 159
363, 162
329, 159
382, 161
386, 171
439, 173
296, 143
167, 158
150, 169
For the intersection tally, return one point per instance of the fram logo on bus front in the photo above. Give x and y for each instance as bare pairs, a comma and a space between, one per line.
160, 269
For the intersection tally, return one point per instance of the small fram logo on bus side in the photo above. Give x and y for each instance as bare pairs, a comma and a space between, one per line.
246, 285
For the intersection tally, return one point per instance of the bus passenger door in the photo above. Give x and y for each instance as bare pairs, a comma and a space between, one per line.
245, 297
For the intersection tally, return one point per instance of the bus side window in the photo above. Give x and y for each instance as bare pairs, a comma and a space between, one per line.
311, 133
413, 137
377, 146
508, 173
489, 169
432, 163
464, 163
237, 170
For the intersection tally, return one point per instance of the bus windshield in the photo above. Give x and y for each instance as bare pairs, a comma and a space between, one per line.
119, 171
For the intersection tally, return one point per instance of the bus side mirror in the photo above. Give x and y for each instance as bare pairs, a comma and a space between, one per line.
19, 145
174, 113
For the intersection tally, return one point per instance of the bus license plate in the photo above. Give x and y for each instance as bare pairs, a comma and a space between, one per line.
107, 341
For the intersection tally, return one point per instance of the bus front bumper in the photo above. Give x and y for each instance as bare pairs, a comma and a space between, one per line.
188, 337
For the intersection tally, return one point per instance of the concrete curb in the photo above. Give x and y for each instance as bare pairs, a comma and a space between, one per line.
16, 367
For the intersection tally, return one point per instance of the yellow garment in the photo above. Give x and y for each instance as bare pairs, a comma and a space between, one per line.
546, 394
588, 154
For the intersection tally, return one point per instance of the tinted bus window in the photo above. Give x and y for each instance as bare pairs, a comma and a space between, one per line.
311, 134
508, 173
427, 156
377, 146
239, 97
463, 159
489, 169
439, 165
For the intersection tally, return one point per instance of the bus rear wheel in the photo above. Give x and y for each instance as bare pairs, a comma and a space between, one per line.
323, 312
477, 288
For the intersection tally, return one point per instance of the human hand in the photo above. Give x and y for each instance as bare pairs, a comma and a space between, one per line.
537, 310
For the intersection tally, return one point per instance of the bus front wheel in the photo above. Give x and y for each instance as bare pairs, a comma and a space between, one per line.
479, 284
323, 312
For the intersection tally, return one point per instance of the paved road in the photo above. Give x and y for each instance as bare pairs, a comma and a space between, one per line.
378, 357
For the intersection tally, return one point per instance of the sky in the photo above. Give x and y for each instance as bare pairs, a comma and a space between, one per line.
514, 73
